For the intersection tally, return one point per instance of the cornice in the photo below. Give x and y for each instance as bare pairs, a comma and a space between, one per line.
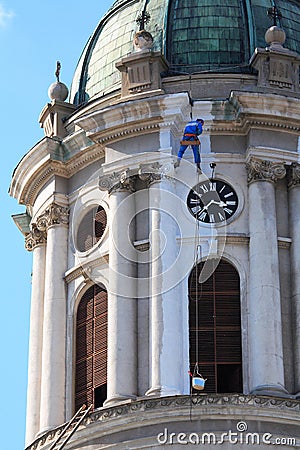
51, 156
85, 268
127, 416
38, 168
268, 106
136, 116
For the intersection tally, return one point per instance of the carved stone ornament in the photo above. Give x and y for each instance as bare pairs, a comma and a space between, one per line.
34, 238
264, 170
154, 171
117, 181
53, 215
294, 175
142, 41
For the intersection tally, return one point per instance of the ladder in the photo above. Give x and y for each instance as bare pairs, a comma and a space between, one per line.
70, 428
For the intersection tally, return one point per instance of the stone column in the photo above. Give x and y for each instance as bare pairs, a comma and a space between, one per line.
122, 307
294, 212
265, 328
165, 351
55, 221
35, 242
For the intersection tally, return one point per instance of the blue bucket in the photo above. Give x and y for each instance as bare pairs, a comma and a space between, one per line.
198, 383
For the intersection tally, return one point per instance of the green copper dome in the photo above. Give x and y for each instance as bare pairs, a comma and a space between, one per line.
194, 35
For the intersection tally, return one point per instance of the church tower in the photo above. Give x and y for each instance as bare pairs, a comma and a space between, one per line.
164, 299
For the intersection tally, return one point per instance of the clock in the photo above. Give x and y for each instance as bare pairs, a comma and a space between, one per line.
212, 201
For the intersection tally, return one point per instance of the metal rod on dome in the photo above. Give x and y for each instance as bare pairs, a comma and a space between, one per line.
274, 14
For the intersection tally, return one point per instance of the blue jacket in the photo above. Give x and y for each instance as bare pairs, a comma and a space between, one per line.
193, 127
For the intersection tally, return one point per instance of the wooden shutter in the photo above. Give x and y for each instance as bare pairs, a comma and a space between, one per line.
91, 228
91, 345
218, 328
100, 222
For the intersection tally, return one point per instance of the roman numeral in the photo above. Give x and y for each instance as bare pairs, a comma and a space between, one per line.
202, 215
196, 209
228, 195
229, 211
221, 217
212, 218
231, 203
204, 188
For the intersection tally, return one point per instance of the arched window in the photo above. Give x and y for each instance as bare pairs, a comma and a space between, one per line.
91, 348
218, 328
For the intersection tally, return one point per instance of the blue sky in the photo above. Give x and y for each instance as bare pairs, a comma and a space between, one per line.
33, 36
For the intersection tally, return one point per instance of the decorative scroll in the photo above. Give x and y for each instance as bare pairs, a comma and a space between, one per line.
117, 181
34, 238
294, 175
264, 170
154, 171
53, 215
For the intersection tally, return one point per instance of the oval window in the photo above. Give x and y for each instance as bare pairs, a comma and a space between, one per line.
91, 228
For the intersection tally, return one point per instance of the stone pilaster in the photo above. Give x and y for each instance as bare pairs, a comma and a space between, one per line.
294, 214
35, 242
265, 328
166, 372
122, 292
55, 221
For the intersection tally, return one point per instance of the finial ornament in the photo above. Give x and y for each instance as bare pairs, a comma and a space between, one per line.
143, 40
274, 14
58, 90
143, 19
58, 67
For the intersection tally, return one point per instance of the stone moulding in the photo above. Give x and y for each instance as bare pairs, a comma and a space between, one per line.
203, 404
84, 269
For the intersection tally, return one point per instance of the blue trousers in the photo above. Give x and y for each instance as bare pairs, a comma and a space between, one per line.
195, 149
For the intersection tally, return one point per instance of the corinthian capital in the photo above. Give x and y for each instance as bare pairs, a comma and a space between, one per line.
53, 215
294, 175
34, 238
117, 181
154, 171
264, 170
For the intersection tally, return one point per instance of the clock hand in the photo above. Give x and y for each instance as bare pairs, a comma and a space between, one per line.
220, 203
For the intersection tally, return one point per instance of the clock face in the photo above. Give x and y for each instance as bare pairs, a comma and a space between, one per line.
212, 201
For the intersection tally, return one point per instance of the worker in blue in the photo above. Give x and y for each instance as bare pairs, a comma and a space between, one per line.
190, 137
